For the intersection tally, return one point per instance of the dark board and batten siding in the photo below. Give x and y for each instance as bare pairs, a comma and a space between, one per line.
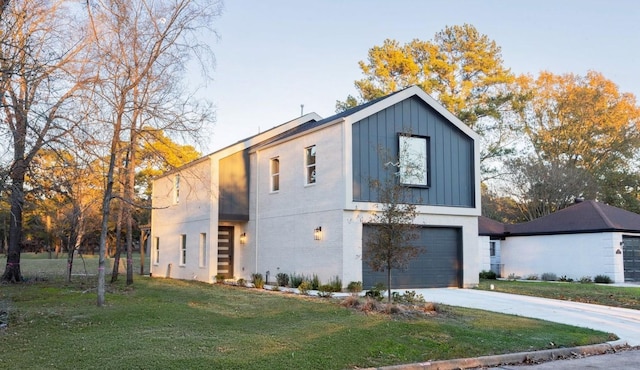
451, 155
234, 187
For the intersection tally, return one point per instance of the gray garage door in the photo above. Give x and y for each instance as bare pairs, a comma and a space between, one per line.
439, 265
631, 258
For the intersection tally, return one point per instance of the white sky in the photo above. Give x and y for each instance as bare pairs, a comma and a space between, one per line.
273, 56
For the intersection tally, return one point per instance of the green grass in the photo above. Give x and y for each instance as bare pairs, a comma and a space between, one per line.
626, 297
161, 323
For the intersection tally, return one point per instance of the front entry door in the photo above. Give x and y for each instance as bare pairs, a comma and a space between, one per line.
225, 251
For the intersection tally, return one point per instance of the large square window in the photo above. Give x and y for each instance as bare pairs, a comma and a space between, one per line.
310, 165
413, 151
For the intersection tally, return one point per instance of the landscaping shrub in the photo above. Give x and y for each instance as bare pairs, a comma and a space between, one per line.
488, 275
282, 279
335, 283
586, 279
513, 276
409, 297
549, 276
602, 279
296, 279
304, 287
242, 282
376, 292
355, 287
257, 280
325, 291
564, 278
315, 282
219, 279
532, 277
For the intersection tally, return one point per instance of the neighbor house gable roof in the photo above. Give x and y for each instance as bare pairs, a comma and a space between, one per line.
489, 227
583, 217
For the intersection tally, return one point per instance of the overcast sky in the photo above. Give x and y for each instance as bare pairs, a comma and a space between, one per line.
273, 56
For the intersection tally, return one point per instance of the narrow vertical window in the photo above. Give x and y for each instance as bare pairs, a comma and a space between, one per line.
275, 174
203, 249
156, 250
492, 249
176, 189
310, 164
414, 170
183, 249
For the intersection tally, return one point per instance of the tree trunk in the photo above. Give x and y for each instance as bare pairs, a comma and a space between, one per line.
12, 271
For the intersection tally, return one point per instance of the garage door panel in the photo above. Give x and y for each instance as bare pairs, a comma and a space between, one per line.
438, 265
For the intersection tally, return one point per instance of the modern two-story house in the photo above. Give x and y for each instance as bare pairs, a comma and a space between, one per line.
297, 199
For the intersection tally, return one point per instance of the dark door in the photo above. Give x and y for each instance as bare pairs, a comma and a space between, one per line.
438, 266
225, 251
631, 258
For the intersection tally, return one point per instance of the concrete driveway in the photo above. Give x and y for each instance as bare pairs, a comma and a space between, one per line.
625, 323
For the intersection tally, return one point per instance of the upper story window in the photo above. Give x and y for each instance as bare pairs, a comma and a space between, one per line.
414, 168
274, 170
176, 189
310, 165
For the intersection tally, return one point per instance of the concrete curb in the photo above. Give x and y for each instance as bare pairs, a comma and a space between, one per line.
509, 358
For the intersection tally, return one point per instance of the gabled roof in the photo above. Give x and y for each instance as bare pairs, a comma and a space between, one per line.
489, 227
583, 217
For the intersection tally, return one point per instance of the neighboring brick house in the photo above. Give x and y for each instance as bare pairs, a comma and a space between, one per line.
296, 199
588, 238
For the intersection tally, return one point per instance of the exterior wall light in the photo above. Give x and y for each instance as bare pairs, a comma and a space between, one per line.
317, 233
243, 238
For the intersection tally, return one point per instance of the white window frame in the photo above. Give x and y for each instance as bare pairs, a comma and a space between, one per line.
203, 249
413, 155
176, 189
183, 249
156, 250
310, 177
274, 175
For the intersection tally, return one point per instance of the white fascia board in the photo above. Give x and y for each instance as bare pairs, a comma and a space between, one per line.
407, 93
303, 133
248, 142
421, 209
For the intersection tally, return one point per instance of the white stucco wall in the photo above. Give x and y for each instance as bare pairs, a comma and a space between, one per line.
190, 216
571, 255
283, 222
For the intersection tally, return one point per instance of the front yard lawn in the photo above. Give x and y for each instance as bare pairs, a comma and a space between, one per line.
173, 324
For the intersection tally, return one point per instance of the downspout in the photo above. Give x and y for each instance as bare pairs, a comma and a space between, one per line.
257, 177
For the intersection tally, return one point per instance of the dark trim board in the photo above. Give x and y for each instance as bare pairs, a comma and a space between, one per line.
438, 266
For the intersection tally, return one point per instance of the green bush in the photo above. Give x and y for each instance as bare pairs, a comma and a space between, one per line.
242, 282
586, 280
602, 279
335, 283
376, 292
282, 279
325, 291
513, 276
566, 279
304, 287
409, 296
315, 282
296, 279
257, 280
355, 287
549, 276
219, 278
488, 275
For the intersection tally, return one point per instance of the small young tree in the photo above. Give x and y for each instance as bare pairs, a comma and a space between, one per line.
389, 245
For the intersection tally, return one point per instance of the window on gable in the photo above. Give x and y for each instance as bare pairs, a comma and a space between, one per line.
183, 249
310, 165
275, 174
176, 189
413, 152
